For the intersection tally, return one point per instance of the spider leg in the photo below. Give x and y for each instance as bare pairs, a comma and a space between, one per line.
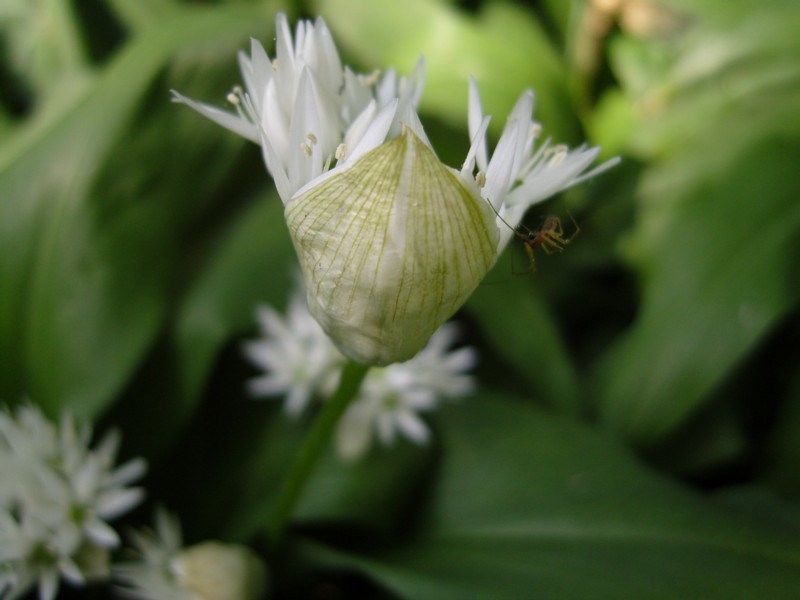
528, 245
574, 233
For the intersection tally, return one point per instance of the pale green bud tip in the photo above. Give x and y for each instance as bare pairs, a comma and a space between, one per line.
217, 571
390, 247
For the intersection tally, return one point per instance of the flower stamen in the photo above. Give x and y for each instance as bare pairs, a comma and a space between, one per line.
370, 79
558, 154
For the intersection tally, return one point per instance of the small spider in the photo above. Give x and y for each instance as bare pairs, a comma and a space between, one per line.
549, 237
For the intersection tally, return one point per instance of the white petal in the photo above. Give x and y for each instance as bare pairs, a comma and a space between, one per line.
611, 162
275, 168
305, 118
551, 179
228, 120
119, 501
476, 120
129, 472
261, 68
411, 120
413, 427
48, 585
376, 132
326, 64
298, 398
353, 434
267, 385
285, 56
101, 533
507, 157
478, 144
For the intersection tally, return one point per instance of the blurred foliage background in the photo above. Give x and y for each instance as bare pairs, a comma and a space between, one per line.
634, 434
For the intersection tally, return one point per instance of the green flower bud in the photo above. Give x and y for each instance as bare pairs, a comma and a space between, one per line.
217, 571
391, 241
390, 247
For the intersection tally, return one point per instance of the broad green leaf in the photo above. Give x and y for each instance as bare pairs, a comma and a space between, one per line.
91, 214
253, 264
42, 44
250, 263
504, 47
762, 504
140, 14
716, 239
782, 454
368, 497
515, 320
526, 505
721, 270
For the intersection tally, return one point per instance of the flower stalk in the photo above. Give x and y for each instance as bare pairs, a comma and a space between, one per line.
313, 445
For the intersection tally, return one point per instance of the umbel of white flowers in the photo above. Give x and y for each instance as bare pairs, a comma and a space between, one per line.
302, 364
390, 240
56, 497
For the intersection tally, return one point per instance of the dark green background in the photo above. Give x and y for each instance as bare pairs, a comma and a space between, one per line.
634, 432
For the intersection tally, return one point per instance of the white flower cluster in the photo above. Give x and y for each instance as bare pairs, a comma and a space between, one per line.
306, 110
165, 570
391, 241
301, 363
56, 497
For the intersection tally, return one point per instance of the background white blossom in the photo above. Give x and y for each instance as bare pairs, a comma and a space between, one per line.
56, 499
300, 363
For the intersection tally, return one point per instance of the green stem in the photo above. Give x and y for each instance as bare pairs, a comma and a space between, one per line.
313, 445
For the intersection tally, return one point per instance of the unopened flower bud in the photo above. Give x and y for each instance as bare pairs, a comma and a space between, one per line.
390, 248
390, 240
217, 571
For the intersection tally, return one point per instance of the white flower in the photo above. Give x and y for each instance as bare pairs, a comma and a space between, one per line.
57, 495
391, 241
305, 109
300, 362
391, 397
165, 570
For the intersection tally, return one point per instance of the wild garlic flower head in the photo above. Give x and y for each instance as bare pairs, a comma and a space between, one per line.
298, 358
390, 240
301, 363
391, 398
165, 570
57, 496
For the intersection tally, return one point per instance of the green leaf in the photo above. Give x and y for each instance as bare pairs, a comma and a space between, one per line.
504, 47
371, 496
782, 454
715, 243
721, 271
42, 45
91, 213
140, 14
515, 320
250, 263
367, 497
253, 264
528, 505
